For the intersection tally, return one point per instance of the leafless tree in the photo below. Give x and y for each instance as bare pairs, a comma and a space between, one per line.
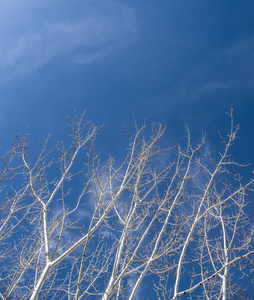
73, 227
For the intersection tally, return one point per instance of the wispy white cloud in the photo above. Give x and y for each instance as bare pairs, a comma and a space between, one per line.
243, 46
101, 29
225, 70
206, 88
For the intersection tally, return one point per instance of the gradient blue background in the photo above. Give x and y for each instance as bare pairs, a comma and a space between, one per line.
180, 62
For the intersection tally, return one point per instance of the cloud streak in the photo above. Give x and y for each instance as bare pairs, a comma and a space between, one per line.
100, 31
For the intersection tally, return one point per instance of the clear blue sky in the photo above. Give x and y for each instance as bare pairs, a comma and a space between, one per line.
180, 62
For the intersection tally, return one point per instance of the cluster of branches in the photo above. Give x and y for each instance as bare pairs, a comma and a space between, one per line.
73, 227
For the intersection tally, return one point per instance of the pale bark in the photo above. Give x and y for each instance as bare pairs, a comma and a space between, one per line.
81, 229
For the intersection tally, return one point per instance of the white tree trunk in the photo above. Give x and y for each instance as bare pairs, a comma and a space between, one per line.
40, 282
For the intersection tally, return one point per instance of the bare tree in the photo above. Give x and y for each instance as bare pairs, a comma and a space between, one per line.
73, 227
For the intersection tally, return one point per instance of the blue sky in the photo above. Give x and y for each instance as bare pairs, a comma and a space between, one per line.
180, 62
